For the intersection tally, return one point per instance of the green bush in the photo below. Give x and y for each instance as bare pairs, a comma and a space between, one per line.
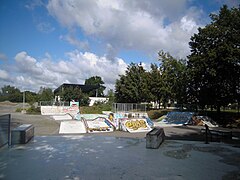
95, 109
33, 110
19, 110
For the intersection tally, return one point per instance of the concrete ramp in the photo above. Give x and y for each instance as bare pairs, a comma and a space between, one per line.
135, 125
62, 117
72, 127
99, 124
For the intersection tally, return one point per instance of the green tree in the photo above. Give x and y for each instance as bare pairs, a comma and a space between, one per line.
111, 96
31, 97
45, 94
96, 80
70, 93
133, 86
173, 83
11, 93
214, 62
155, 84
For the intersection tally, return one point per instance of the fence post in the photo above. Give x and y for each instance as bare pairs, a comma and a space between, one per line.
206, 134
9, 131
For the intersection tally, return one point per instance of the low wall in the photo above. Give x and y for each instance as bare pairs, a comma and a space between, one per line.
52, 110
59, 110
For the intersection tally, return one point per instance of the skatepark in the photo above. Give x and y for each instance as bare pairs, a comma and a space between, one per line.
115, 155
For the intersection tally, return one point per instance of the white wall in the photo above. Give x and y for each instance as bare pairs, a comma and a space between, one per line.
97, 99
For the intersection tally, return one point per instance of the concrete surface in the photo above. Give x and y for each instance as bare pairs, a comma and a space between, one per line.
72, 127
100, 157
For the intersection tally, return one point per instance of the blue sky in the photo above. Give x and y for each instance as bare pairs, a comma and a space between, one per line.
47, 43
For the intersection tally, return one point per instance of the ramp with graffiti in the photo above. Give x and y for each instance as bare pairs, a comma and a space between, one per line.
135, 125
99, 124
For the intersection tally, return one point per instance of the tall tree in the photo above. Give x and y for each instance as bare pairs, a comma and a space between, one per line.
155, 84
133, 86
45, 94
96, 80
173, 85
111, 95
11, 93
31, 97
214, 63
71, 93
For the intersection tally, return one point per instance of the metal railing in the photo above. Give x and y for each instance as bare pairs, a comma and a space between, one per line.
5, 130
128, 107
53, 103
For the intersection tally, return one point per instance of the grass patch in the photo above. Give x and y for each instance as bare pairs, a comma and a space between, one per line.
31, 110
34, 110
95, 109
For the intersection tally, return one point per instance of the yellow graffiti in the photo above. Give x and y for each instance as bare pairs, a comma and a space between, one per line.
135, 124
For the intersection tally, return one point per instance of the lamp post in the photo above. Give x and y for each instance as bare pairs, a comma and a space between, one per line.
23, 99
23, 108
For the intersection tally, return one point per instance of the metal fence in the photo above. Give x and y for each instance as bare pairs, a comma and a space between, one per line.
5, 131
53, 103
128, 107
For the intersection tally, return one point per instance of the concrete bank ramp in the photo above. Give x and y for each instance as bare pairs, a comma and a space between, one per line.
72, 127
62, 117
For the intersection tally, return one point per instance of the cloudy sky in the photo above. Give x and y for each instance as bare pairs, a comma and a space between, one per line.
50, 42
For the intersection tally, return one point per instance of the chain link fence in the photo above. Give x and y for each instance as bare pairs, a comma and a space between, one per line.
128, 107
53, 103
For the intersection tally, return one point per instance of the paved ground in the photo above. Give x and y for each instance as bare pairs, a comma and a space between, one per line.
117, 155
100, 157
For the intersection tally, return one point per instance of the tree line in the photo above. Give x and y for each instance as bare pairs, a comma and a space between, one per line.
209, 76
13, 94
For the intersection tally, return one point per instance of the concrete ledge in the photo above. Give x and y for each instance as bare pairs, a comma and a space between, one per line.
154, 138
22, 134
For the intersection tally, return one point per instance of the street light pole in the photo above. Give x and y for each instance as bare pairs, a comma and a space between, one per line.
23, 108
23, 100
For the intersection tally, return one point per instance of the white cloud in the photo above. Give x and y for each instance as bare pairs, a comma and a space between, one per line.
27, 64
32, 73
4, 75
3, 57
31, 5
73, 40
188, 24
45, 27
132, 25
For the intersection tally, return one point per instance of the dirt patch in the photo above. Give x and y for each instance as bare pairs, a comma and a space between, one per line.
43, 125
7, 103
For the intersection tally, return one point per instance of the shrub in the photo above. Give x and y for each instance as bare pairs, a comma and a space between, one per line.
33, 110
95, 109
19, 110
